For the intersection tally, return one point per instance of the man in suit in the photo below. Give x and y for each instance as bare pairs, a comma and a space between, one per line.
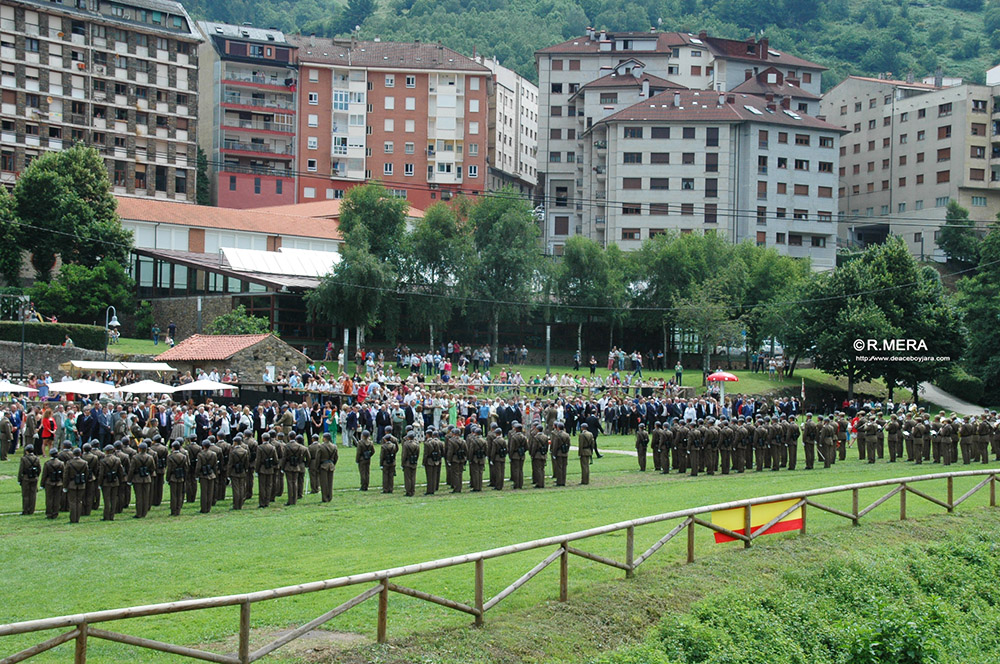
201, 426
163, 423
595, 428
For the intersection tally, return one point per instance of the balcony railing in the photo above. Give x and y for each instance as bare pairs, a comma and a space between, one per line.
260, 103
256, 147
264, 126
239, 77
601, 145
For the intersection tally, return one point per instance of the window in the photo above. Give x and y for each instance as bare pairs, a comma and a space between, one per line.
410, 103
390, 80
978, 129
390, 103
555, 111
921, 135
473, 149
574, 65
659, 157
711, 188
944, 132
712, 162
473, 171
782, 188
762, 139
943, 176
659, 209
409, 126
313, 120
409, 148
783, 137
779, 238
902, 182
977, 174
944, 154
687, 158
687, 184
819, 241
411, 81
871, 144
687, 209
978, 201
632, 157
794, 240
353, 120
920, 178
631, 208
312, 143
826, 167
711, 213
557, 88
872, 102
389, 124
555, 134
659, 132
688, 132
557, 65
632, 132
609, 98
387, 147
802, 139
408, 170
824, 192
918, 205
762, 165
309, 192
871, 124
761, 238
712, 137
630, 234
631, 183
256, 185
555, 157
802, 164
920, 157
977, 152
944, 110
31, 45
801, 190
313, 98
474, 128
696, 70
561, 226
762, 189
278, 187
941, 201
312, 165
659, 183
782, 162
232, 183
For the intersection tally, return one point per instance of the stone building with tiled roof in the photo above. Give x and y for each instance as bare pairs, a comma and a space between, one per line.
249, 355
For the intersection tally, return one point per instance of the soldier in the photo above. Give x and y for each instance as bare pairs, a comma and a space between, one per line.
140, 475
6, 435
549, 414
294, 464
681, 455
456, 452
983, 431
967, 436
363, 457
27, 476
75, 476
760, 434
726, 438
585, 447
279, 477
433, 453
177, 471
710, 450
560, 453
827, 436
538, 447
655, 439
918, 433
92, 461
739, 442
110, 474
905, 430
326, 463
810, 435
387, 460
266, 466
666, 447
792, 442
205, 467
314, 464
411, 459
946, 446
160, 453
695, 442
894, 438
517, 451
497, 455
52, 482
477, 459
935, 437
221, 447
781, 440
237, 469
191, 483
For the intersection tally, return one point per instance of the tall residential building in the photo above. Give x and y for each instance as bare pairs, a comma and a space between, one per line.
682, 60
248, 82
698, 161
411, 115
120, 76
513, 130
911, 148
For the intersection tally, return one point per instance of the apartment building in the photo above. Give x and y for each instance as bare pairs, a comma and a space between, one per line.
411, 115
513, 130
911, 148
248, 105
698, 161
120, 76
697, 62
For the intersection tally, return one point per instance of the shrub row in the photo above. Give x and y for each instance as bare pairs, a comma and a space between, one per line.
53, 334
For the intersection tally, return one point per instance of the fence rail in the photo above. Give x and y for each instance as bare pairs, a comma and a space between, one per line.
82, 628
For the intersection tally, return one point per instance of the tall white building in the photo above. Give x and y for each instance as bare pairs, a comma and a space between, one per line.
513, 130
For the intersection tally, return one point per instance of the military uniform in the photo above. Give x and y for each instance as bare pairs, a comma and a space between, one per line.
141, 474
109, 475
966, 435
456, 453
496, 452
177, 472
477, 460
266, 466
237, 469
52, 482
363, 457
654, 439
294, 464
28, 472
517, 451
792, 434
666, 447
160, 454
827, 436
919, 435
585, 447
191, 482
206, 466
560, 454
810, 435
387, 462
327, 455
92, 487
314, 464
433, 454
538, 447
410, 462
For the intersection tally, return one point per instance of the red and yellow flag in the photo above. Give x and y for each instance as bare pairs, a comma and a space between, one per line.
760, 515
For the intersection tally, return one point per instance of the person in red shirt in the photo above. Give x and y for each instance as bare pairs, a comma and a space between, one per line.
48, 430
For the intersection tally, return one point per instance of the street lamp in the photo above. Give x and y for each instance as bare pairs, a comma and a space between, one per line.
110, 321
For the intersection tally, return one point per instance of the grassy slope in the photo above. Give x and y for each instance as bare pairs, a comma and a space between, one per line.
160, 559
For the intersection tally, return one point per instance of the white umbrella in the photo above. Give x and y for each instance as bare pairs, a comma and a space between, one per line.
206, 385
7, 386
83, 387
147, 387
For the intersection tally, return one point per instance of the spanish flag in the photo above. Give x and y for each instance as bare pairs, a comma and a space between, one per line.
760, 515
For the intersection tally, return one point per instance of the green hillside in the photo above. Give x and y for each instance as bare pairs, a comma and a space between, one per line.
848, 36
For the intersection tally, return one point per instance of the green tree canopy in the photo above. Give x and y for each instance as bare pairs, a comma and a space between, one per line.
238, 321
373, 217
81, 294
958, 238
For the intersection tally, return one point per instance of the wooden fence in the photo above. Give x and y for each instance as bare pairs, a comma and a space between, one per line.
379, 584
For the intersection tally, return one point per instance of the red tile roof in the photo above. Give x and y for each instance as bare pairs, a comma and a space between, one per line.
758, 85
894, 82
630, 81
734, 49
704, 106
132, 208
210, 347
321, 209
382, 54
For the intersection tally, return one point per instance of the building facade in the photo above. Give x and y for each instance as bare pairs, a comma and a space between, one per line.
682, 60
705, 162
513, 130
911, 148
411, 115
120, 76
248, 80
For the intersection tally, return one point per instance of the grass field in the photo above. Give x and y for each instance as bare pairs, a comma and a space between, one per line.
58, 568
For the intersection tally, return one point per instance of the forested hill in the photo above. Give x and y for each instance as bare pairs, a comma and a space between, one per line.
849, 36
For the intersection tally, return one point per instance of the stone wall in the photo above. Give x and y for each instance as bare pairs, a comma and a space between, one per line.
183, 311
250, 363
39, 358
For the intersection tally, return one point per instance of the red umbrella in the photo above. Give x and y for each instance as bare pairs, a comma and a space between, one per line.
723, 376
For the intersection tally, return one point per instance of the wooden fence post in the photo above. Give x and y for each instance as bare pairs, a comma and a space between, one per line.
854, 509
691, 541
902, 503
951, 495
802, 530
80, 656
747, 526
480, 564
244, 644
630, 551
993, 490
564, 573
383, 611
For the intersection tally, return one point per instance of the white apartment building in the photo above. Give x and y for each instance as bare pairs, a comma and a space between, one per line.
698, 62
911, 148
513, 130
118, 75
698, 161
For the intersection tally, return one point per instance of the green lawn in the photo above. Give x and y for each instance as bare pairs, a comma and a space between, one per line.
137, 346
96, 565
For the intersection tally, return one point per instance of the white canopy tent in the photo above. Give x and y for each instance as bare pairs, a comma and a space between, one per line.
91, 365
147, 387
206, 385
83, 387
6, 387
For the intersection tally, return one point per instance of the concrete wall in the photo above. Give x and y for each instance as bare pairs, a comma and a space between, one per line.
39, 358
183, 311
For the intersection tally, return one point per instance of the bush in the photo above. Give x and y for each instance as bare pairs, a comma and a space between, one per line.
963, 385
53, 334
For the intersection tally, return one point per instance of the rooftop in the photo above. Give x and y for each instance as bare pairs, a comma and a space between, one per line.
321, 209
210, 347
282, 279
243, 32
758, 85
380, 54
630, 81
133, 208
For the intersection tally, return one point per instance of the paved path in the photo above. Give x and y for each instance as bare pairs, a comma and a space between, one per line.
947, 401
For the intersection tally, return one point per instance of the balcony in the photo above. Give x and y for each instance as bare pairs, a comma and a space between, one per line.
273, 104
601, 145
249, 125
257, 81
282, 152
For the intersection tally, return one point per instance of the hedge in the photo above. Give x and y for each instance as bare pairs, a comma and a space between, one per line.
963, 385
53, 334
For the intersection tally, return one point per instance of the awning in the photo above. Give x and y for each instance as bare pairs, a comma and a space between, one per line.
91, 365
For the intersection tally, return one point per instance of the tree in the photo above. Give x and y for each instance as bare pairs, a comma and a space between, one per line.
958, 235
440, 253
81, 294
505, 236
204, 184
978, 298
706, 313
590, 281
10, 245
64, 204
355, 14
371, 216
238, 321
